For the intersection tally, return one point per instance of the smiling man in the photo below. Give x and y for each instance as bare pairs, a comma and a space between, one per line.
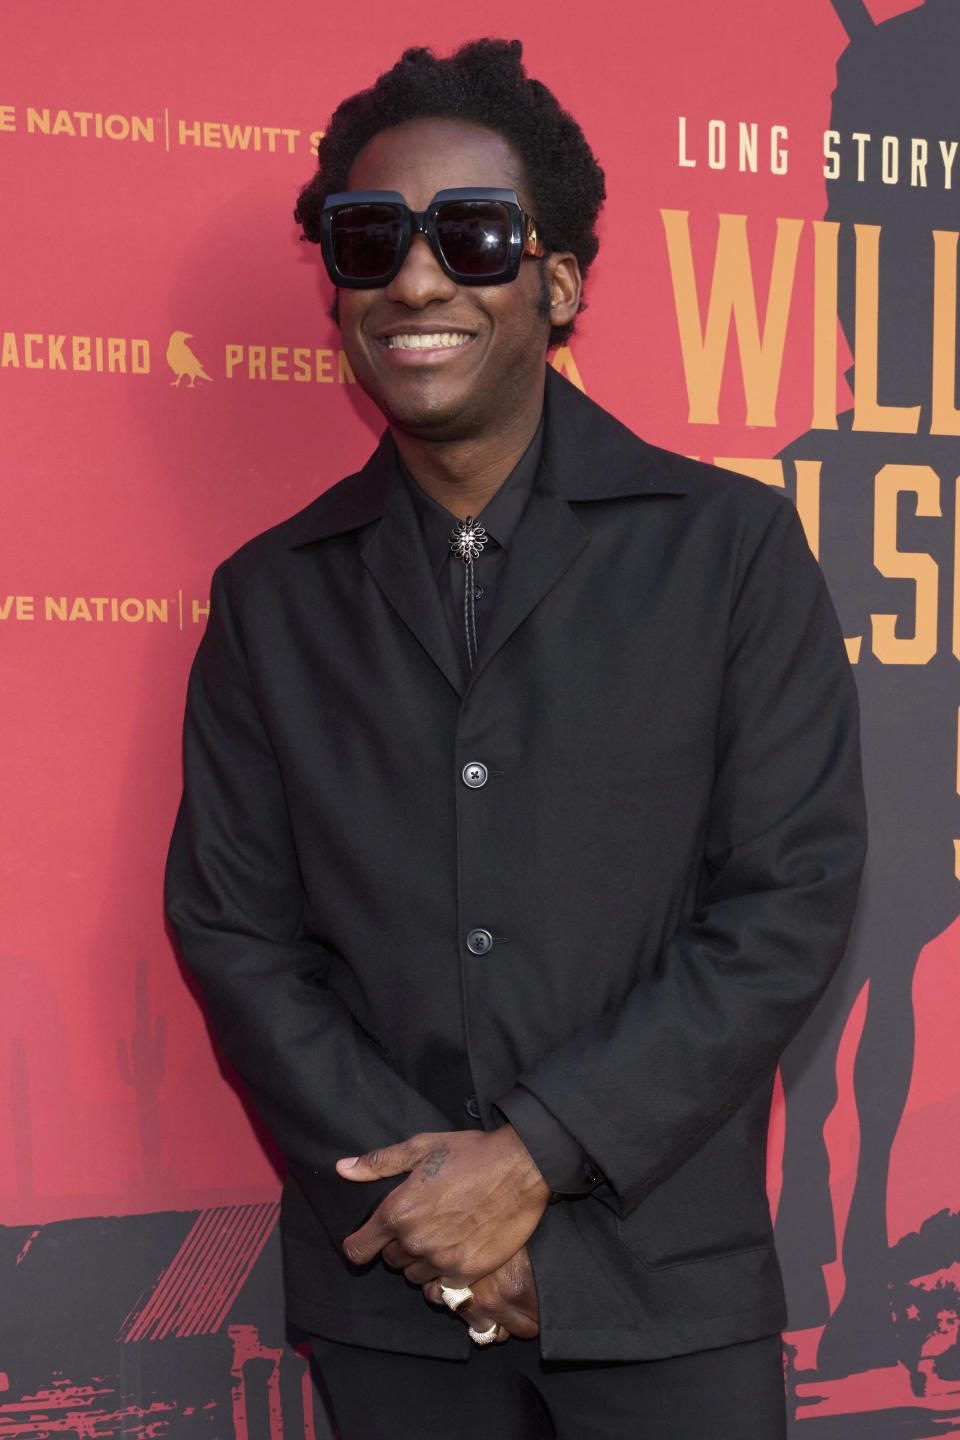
521, 829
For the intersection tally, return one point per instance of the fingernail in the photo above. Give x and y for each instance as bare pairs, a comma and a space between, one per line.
349, 1161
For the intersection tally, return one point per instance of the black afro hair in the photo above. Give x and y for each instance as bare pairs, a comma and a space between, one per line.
484, 83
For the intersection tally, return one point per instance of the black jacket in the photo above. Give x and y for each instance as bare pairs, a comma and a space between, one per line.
666, 852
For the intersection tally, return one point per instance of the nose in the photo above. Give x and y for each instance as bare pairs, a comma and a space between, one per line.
420, 278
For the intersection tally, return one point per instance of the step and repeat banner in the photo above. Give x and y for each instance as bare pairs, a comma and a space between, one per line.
776, 291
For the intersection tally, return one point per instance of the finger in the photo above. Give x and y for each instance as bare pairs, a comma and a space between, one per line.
391, 1160
432, 1293
419, 1272
398, 1258
366, 1243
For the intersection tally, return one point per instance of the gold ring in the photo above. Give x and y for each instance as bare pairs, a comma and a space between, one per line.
453, 1296
484, 1337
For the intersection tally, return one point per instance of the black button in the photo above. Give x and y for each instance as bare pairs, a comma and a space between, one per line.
478, 592
591, 1176
472, 1107
474, 774
479, 942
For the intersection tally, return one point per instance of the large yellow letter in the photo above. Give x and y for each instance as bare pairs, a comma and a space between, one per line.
732, 295
893, 481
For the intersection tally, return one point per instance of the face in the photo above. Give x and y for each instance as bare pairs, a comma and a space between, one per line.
479, 352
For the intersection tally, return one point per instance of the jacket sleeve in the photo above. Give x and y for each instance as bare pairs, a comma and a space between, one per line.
783, 850
235, 900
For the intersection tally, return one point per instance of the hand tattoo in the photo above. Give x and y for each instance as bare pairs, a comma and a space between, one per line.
433, 1163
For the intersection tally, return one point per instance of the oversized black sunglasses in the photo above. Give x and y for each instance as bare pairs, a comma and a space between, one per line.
478, 235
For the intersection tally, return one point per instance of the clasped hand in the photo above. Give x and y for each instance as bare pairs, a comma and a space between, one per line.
470, 1201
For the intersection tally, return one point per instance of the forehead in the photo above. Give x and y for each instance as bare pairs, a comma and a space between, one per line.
420, 157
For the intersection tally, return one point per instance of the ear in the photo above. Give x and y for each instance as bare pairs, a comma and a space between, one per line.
565, 284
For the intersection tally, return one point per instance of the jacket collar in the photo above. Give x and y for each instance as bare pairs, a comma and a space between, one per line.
587, 455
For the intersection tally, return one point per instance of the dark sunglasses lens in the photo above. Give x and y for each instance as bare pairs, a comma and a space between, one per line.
366, 240
474, 236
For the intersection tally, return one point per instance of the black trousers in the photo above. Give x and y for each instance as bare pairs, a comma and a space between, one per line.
506, 1392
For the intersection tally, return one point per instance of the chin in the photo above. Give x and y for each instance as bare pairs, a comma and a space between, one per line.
442, 418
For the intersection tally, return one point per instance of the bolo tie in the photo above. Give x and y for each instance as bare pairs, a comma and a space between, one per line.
467, 540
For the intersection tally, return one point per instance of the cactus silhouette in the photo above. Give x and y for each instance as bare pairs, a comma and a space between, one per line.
20, 1113
142, 1062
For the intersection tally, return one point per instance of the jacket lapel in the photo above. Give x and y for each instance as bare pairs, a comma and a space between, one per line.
545, 544
587, 455
396, 557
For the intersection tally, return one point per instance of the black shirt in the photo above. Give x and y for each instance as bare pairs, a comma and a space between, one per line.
500, 517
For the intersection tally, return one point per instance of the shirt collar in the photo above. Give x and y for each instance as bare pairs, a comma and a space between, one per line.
499, 517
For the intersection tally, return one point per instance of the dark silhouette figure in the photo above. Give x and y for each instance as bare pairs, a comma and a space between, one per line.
893, 79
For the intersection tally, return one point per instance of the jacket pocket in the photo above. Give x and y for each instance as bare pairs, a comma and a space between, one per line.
714, 1205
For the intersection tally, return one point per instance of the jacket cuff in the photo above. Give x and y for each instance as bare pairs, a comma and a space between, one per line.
560, 1158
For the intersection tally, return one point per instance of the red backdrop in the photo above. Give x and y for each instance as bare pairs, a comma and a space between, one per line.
171, 384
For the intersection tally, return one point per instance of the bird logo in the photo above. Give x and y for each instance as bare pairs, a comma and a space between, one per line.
182, 360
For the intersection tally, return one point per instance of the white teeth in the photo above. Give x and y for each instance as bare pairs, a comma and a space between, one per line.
449, 339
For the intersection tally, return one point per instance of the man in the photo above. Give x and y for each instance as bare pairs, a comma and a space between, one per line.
521, 828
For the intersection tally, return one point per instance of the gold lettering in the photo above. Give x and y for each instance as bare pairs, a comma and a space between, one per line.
233, 358
278, 362
301, 364
55, 360
63, 125
944, 415
117, 127
344, 372
192, 130
868, 413
29, 359
54, 609
732, 296
683, 158
8, 352
325, 366
200, 612
140, 357
257, 362
8, 117
131, 609
79, 610
825, 233
211, 134
156, 610
236, 139
116, 355
143, 129
81, 352
778, 152
563, 362
891, 482
38, 120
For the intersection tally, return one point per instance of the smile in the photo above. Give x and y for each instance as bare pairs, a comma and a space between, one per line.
445, 340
